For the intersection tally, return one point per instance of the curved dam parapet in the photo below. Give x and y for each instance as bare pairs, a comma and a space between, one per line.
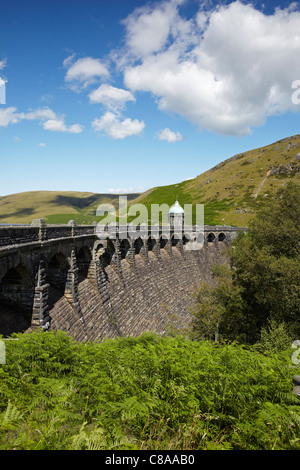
66, 278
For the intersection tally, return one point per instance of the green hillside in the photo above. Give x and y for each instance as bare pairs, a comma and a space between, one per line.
54, 206
233, 189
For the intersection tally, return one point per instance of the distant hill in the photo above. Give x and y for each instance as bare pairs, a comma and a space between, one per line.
54, 206
231, 191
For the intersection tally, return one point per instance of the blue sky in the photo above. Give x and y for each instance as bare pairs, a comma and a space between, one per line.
122, 96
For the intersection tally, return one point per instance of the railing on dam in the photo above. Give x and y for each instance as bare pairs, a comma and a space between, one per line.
39, 231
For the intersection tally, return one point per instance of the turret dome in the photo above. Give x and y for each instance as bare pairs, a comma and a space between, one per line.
176, 209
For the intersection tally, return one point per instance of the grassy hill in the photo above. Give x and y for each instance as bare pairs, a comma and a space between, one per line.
54, 206
231, 191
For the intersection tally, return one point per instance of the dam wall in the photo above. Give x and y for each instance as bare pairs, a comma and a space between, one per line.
151, 295
64, 277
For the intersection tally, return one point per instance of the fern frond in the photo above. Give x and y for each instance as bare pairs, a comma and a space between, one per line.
296, 417
11, 417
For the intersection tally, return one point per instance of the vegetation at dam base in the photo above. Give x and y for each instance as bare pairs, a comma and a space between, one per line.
149, 392
223, 384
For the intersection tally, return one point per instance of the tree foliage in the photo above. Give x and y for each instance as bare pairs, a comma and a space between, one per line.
218, 307
264, 281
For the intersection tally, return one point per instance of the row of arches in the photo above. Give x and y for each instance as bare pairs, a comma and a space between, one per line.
211, 237
138, 244
18, 288
137, 247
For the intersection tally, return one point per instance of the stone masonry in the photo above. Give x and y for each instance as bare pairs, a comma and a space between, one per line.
63, 277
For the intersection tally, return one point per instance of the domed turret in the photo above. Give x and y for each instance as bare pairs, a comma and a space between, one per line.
176, 214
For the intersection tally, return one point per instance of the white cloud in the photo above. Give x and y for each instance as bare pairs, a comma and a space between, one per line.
138, 189
85, 71
3, 63
40, 114
18, 139
225, 70
9, 116
111, 97
45, 115
115, 128
58, 125
148, 30
169, 136
46, 98
42, 144
68, 60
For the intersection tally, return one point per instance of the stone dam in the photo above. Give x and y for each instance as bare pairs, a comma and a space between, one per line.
63, 277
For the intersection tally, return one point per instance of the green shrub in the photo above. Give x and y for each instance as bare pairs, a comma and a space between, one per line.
148, 392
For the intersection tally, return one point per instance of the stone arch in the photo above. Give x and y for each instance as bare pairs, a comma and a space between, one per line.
200, 237
138, 246
124, 248
56, 276
18, 259
16, 300
174, 240
107, 253
98, 248
57, 270
185, 240
211, 237
151, 242
163, 240
221, 237
84, 258
104, 251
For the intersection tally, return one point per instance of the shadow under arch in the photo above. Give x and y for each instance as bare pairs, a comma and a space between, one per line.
138, 246
56, 277
151, 243
124, 248
211, 237
163, 240
84, 258
105, 253
16, 300
174, 240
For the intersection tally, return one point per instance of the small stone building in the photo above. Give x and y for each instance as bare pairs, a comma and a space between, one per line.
176, 215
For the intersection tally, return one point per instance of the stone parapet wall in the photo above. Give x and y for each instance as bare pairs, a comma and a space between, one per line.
10, 235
